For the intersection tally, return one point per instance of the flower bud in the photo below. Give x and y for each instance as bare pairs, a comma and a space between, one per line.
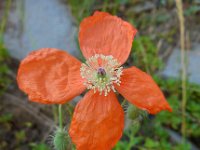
61, 140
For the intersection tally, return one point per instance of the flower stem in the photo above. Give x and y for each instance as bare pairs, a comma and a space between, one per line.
60, 116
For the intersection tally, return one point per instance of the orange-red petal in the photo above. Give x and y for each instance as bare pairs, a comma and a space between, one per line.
140, 89
105, 34
97, 123
50, 76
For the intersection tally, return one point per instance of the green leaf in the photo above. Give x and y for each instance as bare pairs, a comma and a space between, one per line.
6, 118
149, 143
40, 146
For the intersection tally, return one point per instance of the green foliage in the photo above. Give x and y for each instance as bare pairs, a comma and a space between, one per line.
6, 118
168, 36
135, 113
121, 2
20, 135
192, 10
40, 146
145, 54
28, 124
3, 53
150, 143
16, 134
161, 18
4, 80
130, 139
152, 133
185, 146
173, 89
81, 9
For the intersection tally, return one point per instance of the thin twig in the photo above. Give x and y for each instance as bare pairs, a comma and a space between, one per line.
183, 66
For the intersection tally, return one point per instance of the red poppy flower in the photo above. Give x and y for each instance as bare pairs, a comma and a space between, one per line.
52, 76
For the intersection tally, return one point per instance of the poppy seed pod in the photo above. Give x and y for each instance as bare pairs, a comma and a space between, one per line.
61, 140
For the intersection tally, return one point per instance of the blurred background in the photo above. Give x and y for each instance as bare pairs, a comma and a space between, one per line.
27, 25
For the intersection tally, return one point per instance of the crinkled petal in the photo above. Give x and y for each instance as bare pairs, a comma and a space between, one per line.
97, 123
105, 34
140, 89
50, 76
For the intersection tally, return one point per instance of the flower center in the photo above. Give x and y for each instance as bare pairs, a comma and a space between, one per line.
101, 73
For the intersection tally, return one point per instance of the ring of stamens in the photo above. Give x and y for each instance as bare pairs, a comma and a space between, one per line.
101, 73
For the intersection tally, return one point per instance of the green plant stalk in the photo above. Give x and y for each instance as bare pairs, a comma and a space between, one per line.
183, 67
5, 18
60, 116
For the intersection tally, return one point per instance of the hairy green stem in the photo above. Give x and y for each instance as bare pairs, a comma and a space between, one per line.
60, 116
